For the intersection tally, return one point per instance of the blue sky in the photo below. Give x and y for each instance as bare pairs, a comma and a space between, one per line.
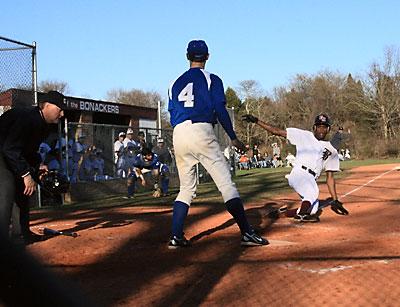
96, 46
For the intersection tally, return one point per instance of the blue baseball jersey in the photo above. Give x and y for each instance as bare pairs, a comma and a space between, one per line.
140, 163
199, 96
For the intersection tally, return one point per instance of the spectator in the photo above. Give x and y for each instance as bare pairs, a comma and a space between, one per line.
98, 165
78, 150
254, 157
249, 155
347, 154
290, 160
129, 139
276, 151
276, 161
44, 149
268, 160
244, 162
142, 142
86, 172
119, 154
341, 155
163, 153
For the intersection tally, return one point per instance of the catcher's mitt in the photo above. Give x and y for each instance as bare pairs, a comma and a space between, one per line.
337, 207
157, 193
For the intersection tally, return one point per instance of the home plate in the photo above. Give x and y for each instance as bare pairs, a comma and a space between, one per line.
280, 243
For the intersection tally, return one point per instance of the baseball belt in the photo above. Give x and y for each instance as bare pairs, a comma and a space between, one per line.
308, 170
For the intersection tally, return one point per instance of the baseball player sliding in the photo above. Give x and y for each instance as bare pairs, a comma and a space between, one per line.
196, 102
313, 154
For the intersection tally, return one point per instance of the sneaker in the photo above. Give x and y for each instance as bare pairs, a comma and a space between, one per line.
307, 218
127, 197
176, 242
253, 239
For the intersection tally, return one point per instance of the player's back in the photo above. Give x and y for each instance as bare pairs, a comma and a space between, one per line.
193, 96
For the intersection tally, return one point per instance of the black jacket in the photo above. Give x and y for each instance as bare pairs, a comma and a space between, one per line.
21, 132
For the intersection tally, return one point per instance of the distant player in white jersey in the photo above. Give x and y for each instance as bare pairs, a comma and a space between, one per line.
196, 102
313, 155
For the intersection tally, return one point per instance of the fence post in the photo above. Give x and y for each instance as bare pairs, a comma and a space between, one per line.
113, 152
66, 146
34, 74
159, 118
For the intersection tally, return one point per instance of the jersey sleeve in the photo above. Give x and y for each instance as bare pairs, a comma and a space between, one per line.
138, 162
218, 97
332, 164
13, 146
294, 135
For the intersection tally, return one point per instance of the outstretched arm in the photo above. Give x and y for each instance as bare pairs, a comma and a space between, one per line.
336, 205
274, 130
330, 182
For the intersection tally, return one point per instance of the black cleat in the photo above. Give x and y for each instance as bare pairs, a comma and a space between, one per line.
306, 218
176, 242
253, 239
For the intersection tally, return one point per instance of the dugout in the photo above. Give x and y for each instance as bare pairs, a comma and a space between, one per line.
100, 122
84, 110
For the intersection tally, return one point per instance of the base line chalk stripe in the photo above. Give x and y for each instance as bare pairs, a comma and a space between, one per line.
372, 180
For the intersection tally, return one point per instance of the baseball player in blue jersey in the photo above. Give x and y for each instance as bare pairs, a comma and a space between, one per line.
196, 102
149, 161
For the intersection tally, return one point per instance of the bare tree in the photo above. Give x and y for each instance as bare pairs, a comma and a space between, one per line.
140, 98
382, 86
53, 85
134, 97
250, 92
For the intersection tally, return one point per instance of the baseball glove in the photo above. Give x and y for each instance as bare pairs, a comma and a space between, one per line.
157, 193
337, 207
250, 118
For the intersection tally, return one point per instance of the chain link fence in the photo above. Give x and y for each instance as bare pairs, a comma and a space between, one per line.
86, 154
99, 140
17, 69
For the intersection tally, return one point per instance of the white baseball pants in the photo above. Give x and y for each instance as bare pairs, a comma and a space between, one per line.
196, 143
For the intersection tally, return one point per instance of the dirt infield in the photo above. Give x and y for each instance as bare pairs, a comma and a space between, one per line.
120, 256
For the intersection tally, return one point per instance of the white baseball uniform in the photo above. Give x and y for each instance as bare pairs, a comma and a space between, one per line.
312, 156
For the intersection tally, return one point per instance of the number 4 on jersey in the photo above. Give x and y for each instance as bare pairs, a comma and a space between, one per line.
186, 95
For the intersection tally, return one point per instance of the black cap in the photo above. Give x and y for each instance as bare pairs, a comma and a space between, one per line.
322, 119
53, 97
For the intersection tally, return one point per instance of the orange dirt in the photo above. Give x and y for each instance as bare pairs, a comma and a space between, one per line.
120, 257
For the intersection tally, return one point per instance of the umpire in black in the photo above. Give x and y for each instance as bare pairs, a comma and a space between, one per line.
21, 132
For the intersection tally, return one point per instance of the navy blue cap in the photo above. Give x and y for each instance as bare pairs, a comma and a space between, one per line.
197, 49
